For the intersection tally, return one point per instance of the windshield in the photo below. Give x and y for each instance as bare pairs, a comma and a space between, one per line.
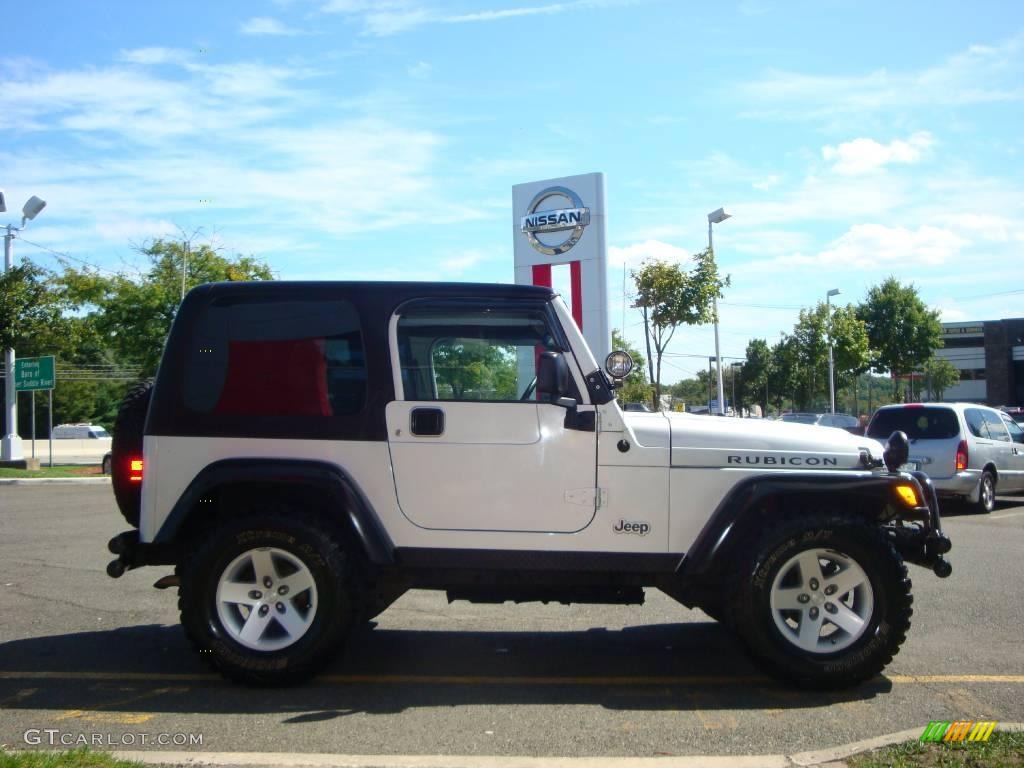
919, 423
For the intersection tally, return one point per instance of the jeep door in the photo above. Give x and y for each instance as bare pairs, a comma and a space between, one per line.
473, 447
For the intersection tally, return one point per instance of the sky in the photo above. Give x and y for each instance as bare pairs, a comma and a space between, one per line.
360, 139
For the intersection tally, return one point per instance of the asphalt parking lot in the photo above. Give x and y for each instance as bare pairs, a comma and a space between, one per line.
81, 653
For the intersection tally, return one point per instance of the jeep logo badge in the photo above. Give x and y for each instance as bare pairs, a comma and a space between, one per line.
638, 528
573, 219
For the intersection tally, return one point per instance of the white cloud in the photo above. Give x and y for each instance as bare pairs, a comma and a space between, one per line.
464, 261
866, 246
389, 17
634, 255
265, 25
860, 156
420, 70
977, 75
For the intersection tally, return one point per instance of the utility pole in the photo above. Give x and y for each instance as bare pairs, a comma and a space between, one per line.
10, 444
10, 448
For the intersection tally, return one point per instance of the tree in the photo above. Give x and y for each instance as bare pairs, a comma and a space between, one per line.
30, 309
757, 370
636, 388
939, 375
902, 332
133, 315
668, 296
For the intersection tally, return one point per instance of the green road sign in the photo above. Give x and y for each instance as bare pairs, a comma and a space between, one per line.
34, 373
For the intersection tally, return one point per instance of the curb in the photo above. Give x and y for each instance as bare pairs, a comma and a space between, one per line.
105, 480
808, 759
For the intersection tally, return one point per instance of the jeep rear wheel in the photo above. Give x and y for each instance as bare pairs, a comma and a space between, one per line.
826, 602
268, 600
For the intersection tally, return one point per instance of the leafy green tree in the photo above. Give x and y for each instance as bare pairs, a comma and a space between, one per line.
31, 310
473, 370
939, 375
757, 371
695, 390
636, 388
669, 296
132, 315
902, 332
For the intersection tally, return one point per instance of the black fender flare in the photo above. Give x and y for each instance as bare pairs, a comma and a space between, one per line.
348, 501
721, 530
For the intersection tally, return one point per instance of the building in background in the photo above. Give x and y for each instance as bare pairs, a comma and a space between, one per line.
990, 356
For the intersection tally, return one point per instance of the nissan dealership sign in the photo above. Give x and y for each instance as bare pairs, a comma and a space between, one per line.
562, 222
572, 219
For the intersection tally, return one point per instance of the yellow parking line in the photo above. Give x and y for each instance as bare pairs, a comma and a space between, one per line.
1005, 515
902, 679
639, 680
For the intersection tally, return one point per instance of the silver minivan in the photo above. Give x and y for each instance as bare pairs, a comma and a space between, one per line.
966, 449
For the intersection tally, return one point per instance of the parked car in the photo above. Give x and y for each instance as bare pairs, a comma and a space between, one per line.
638, 407
965, 448
1015, 412
838, 420
79, 432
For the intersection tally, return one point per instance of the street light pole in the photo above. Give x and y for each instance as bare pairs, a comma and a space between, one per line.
828, 330
10, 444
717, 217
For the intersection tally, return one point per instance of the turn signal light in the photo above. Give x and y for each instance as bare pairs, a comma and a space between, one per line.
908, 495
135, 475
961, 456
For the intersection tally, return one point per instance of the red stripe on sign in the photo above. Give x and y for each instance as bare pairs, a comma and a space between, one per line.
542, 275
576, 277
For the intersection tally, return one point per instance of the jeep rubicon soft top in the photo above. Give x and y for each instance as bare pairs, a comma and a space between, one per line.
311, 450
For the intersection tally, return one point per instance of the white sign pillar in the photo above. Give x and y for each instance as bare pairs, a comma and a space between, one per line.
562, 221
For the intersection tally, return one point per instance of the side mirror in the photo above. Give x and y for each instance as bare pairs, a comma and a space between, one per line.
552, 376
618, 364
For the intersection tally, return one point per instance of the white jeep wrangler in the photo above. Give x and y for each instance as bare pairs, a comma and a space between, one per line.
310, 451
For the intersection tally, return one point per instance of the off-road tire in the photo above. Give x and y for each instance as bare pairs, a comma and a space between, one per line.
986, 495
318, 548
127, 443
749, 609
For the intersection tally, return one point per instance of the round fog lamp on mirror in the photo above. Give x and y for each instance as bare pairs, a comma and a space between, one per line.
618, 364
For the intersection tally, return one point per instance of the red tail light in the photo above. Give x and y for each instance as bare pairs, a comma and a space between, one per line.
135, 470
961, 456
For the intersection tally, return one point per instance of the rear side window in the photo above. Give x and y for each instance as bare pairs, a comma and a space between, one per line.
920, 423
996, 428
264, 358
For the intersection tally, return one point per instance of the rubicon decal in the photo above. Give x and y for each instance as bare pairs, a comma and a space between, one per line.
639, 528
958, 730
789, 461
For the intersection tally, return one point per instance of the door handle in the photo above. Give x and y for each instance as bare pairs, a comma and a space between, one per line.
426, 422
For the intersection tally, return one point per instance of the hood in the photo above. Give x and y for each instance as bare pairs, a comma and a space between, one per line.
713, 441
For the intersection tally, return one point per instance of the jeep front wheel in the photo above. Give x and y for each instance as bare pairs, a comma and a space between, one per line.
826, 603
268, 600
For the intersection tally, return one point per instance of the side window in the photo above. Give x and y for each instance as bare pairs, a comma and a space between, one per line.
462, 351
976, 422
1016, 433
264, 358
996, 429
